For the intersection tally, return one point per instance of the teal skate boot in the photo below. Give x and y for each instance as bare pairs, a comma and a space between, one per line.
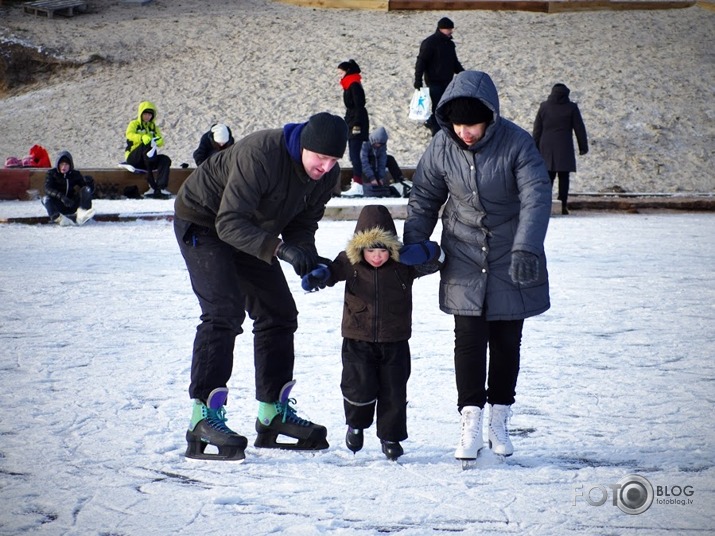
208, 427
279, 418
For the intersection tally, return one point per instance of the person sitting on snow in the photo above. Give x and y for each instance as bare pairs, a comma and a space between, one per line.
68, 193
377, 162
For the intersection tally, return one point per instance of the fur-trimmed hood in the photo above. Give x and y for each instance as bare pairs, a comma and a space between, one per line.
375, 228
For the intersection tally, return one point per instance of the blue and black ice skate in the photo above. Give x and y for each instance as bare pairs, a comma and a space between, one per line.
280, 419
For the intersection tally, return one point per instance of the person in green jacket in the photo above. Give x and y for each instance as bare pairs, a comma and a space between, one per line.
144, 139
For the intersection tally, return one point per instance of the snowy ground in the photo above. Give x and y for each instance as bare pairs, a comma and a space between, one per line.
96, 327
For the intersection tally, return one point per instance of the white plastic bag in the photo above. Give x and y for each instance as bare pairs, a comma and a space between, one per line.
420, 105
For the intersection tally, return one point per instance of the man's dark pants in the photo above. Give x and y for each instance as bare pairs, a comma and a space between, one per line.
229, 283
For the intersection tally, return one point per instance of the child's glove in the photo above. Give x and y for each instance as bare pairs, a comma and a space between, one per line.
316, 279
419, 253
146, 139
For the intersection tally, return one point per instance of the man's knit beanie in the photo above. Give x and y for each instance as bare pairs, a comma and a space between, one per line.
325, 134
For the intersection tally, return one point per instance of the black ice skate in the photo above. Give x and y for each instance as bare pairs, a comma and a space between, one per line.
354, 439
280, 419
208, 427
392, 449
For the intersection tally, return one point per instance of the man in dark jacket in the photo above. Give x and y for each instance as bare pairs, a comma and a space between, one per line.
244, 208
555, 122
437, 61
218, 138
492, 181
68, 193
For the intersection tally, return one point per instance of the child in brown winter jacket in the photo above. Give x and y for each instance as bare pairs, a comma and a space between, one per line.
376, 327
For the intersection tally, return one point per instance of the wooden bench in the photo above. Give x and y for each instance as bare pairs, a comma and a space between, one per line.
25, 183
51, 7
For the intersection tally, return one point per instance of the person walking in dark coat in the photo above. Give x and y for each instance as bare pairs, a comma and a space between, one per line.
376, 327
556, 121
68, 193
356, 117
218, 138
236, 215
484, 174
437, 62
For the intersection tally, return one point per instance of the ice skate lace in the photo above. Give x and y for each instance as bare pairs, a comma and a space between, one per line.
216, 418
469, 430
289, 414
500, 425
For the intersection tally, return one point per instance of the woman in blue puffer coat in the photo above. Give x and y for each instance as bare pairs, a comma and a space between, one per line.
496, 193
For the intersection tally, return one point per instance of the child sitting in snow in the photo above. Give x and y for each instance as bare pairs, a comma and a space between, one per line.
376, 325
68, 193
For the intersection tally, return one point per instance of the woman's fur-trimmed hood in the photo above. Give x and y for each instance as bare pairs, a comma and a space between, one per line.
375, 228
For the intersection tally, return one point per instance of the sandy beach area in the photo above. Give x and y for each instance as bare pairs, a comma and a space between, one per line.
644, 80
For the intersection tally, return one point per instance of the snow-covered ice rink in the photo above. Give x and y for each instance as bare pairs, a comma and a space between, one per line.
617, 387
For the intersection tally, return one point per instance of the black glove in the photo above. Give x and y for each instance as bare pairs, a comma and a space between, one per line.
66, 201
316, 279
427, 268
302, 259
418, 84
524, 267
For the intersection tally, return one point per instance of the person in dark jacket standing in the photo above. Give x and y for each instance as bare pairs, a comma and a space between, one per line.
437, 62
492, 181
68, 193
376, 327
218, 138
555, 122
356, 117
240, 211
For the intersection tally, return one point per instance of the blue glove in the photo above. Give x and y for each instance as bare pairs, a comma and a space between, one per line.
419, 253
316, 279
524, 267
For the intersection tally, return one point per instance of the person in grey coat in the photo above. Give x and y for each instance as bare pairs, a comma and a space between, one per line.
555, 121
487, 173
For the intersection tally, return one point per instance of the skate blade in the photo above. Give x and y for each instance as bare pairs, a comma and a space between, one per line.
468, 463
197, 451
271, 441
